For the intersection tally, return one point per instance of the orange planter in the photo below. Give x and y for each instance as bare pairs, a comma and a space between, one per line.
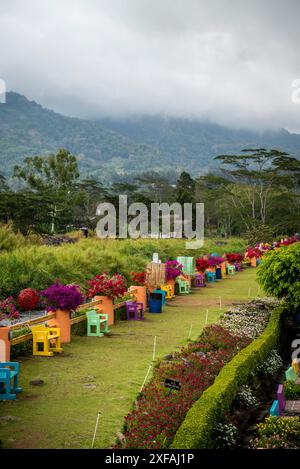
63, 321
140, 292
253, 261
107, 307
171, 282
4, 344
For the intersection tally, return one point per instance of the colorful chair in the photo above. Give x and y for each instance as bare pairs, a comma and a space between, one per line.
9, 371
200, 281
96, 321
134, 310
230, 269
210, 276
274, 410
290, 375
218, 273
168, 290
46, 340
164, 294
238, 266
183, 286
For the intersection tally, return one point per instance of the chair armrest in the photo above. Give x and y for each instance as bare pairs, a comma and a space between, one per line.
14, 365
104, 316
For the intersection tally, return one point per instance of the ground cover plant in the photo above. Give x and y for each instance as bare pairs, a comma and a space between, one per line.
277, 433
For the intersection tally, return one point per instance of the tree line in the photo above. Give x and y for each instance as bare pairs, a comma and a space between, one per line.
254, 191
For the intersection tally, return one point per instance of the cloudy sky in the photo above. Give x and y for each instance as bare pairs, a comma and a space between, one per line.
229, 61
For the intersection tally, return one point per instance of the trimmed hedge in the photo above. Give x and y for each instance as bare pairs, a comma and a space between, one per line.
197, 428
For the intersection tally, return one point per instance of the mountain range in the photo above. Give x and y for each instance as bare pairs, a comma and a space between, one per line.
118, 149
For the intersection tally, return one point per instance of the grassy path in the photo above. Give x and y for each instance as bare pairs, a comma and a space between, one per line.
105, 374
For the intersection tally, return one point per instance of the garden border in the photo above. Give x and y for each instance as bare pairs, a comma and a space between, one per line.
197, 428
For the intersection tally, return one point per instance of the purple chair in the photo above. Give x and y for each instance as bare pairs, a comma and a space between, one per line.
134, 310
200, 281
238, 266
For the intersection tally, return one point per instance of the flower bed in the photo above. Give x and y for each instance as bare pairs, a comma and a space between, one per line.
157, 414
277, 432
199, 425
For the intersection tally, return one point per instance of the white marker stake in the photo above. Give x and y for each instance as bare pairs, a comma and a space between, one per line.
190, 333
150, 366
220, 300
96, 428
154, 347
206, 319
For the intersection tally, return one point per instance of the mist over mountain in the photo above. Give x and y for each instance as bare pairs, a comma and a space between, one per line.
115, 149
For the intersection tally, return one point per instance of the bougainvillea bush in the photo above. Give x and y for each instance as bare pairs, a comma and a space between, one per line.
138, 278
173, 269
215, 261
28, 299
104, 285
63, 297
234, 257
158, 413
8, 309
202, 264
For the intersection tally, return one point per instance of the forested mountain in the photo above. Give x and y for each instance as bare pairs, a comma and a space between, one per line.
112, 149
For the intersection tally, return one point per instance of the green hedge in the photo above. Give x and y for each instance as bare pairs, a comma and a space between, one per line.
197, 428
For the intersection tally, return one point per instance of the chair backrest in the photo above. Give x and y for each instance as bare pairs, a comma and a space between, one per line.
290, 374
39, 327
91, 313
274, 410
281, 400
295, 365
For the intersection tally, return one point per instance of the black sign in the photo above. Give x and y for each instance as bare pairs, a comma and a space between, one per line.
170, 383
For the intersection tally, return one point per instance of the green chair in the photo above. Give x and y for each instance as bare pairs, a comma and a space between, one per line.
96, 322
188, 265
290, 375
230, 269
183, 287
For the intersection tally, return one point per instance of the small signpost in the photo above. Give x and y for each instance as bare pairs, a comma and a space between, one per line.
171, 384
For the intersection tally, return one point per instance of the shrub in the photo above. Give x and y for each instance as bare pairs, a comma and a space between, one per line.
291, 390
63, 297
245, 397
28, 299
8, 309
138, 278
277, 432
113, 286
279, 274
173, 269
197, 429
225, 435
202, 264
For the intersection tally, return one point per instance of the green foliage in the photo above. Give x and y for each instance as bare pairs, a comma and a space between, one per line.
279, 274
10, 239
39, 266
291, 390
278, 432
198, 427
259, 233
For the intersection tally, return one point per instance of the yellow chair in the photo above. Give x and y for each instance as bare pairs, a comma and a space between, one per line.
49, 337
168, 290
295, 365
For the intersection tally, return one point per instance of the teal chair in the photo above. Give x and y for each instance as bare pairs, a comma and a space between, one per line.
290, 375
9, 371
163, 292
183, 287
96, 322
210, 276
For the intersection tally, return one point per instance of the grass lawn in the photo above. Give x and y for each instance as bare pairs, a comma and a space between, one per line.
105, 374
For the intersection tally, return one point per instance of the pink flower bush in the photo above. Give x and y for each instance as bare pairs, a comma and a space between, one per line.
173, 269
104, 285
8, 309
63, 297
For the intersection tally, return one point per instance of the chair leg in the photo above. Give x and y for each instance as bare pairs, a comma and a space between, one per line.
16, 387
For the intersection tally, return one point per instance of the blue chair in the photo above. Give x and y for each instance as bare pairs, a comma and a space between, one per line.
9, 371
218, 273
274, 410
210, 276
163, 292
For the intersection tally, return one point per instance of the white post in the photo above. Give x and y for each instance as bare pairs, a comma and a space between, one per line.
190, 333
206, 319
150, 366
154, 349
96, 428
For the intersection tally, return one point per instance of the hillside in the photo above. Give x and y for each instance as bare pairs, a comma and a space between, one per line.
112, 149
